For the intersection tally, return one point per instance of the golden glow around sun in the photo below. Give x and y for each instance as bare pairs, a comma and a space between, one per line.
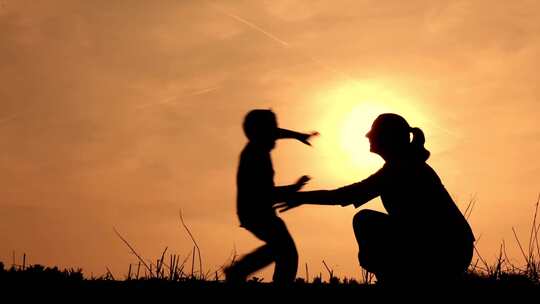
350, 110
352, 131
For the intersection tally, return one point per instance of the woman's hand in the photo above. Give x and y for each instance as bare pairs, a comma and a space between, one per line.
290, 199
285, 206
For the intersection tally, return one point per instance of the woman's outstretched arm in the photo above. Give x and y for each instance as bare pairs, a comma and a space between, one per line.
357, 194
282, 193
318, 197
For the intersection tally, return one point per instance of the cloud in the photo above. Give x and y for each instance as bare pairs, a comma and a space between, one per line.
118, 113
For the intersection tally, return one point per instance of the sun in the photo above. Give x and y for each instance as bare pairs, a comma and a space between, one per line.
353, 129
349, 111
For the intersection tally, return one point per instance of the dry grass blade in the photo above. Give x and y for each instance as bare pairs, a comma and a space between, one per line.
129, 273
193, 262
470, 208
109, 274
536, 240
133, 251
486, 265
520, 247
533, 230
194, 242
330, 272
159, 264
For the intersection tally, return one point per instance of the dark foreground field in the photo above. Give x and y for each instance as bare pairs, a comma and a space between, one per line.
37, 282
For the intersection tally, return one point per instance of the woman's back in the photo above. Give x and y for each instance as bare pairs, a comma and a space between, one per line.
413, 194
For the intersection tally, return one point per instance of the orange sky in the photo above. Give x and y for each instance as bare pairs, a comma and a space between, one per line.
119, 113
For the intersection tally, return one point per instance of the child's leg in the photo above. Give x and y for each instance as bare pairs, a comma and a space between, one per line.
249, 263
286, 255
279, 248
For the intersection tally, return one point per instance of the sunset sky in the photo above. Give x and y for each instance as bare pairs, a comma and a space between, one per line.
121, 113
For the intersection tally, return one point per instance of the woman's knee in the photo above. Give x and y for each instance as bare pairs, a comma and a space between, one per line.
365, 218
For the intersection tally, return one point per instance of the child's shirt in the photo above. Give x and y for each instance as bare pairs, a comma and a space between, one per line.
255, 185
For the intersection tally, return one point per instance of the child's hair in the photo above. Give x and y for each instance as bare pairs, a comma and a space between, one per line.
258, 122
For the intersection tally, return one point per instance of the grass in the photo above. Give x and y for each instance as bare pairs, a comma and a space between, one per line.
503, 269
171, 271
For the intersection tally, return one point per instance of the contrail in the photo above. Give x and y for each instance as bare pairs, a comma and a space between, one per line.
204, 91
252, 25
7, 119
172, 99
283, 42
164, 101
307, 56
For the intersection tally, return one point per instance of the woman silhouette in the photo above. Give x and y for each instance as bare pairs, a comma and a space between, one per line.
424, 235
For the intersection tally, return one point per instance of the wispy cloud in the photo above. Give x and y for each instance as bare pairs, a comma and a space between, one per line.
252, 25
176, 98
7, 119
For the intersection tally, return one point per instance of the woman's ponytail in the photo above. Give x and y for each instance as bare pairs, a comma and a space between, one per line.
418, 151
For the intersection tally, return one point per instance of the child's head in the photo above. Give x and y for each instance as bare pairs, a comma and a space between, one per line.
260, 126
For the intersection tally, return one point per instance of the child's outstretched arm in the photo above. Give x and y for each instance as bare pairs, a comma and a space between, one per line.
302, 137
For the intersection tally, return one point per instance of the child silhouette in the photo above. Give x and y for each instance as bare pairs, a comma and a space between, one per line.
256, 194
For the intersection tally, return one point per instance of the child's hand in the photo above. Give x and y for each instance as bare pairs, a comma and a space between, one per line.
302, 181
304, 137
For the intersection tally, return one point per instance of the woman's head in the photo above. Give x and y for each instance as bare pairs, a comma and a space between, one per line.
390, 138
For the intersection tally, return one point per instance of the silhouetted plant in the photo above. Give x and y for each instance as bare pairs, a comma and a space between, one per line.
503, 269
317, 280
350, 281
171, 268
255, 279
